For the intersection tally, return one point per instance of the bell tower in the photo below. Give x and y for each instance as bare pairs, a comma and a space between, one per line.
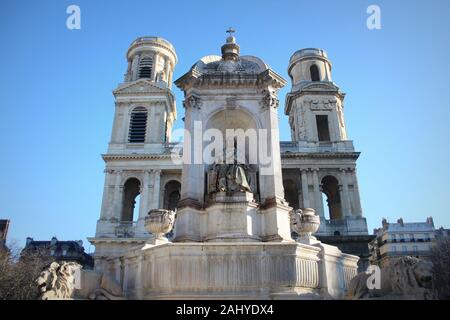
325, 156
136, 163
145, 105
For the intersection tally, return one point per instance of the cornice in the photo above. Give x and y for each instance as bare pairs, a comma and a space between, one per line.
144, 156
320, 155
230, 79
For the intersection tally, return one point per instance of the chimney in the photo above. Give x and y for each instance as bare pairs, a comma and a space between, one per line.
384, 223
29, 240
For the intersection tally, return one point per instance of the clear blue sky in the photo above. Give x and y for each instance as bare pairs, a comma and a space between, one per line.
56, 104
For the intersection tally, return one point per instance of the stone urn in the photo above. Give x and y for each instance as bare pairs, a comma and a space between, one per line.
159, 222
305, 222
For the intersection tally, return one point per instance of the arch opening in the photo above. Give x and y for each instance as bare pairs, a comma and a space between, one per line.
330, 187
131, 200
172, 193
314, 72
291, 193
239, 134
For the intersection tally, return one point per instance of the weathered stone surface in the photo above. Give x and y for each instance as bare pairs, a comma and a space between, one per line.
67, 280
401, 278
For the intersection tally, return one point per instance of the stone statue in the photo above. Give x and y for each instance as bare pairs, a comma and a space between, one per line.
57, 282
228, 178
402, 278
237, 178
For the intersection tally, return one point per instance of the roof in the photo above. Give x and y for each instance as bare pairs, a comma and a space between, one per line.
410, 227
245, 64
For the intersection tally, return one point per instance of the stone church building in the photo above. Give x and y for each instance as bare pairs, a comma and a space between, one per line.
319, 163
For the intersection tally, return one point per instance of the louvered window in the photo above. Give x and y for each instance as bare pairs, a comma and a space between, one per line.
315, 73
145, 67
138, 125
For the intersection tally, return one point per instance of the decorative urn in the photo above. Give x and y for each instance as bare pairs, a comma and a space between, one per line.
159, 222
305, 222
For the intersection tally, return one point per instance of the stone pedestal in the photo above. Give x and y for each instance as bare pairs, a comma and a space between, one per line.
234, 217
239, 270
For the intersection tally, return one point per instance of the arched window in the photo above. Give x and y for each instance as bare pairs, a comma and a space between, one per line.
138, 125
130, 200
145, 68
330, 187
172, 195
291, 193
315, 73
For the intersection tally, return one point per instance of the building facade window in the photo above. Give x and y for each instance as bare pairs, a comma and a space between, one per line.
330, 187
138, 125
131, 192
315, 73
145, 68
323, 130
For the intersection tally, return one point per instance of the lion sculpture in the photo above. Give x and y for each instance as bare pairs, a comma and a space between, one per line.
58, 281
402, 278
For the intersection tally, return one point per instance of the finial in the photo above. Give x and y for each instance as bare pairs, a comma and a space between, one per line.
230, 50
230, 31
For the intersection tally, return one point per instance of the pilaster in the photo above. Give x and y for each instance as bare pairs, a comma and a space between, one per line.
305, 191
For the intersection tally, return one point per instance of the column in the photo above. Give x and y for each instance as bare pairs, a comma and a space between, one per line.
357, 200
169, 76
156, 189
117, 200
123, 130
134, 67
118, 120
155, 63
166, 70
305, 188
345, 199
138, 284
106, 203
317, 193
143, 210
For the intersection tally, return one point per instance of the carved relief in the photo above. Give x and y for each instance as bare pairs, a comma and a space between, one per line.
340, 113
321, 104
301, 124
231, 103
269, 99
192, 102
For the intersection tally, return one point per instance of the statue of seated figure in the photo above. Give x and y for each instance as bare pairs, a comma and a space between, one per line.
228, 178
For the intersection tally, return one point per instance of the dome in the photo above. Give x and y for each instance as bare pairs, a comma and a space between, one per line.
155, 44
229, 69
245, 64
308, 53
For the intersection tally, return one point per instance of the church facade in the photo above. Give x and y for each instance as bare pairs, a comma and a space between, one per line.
140, 175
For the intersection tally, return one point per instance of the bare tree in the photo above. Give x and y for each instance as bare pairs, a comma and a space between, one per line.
441, 267
18, 272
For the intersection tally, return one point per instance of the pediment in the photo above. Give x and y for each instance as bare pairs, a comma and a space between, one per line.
141, 86
320, 86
